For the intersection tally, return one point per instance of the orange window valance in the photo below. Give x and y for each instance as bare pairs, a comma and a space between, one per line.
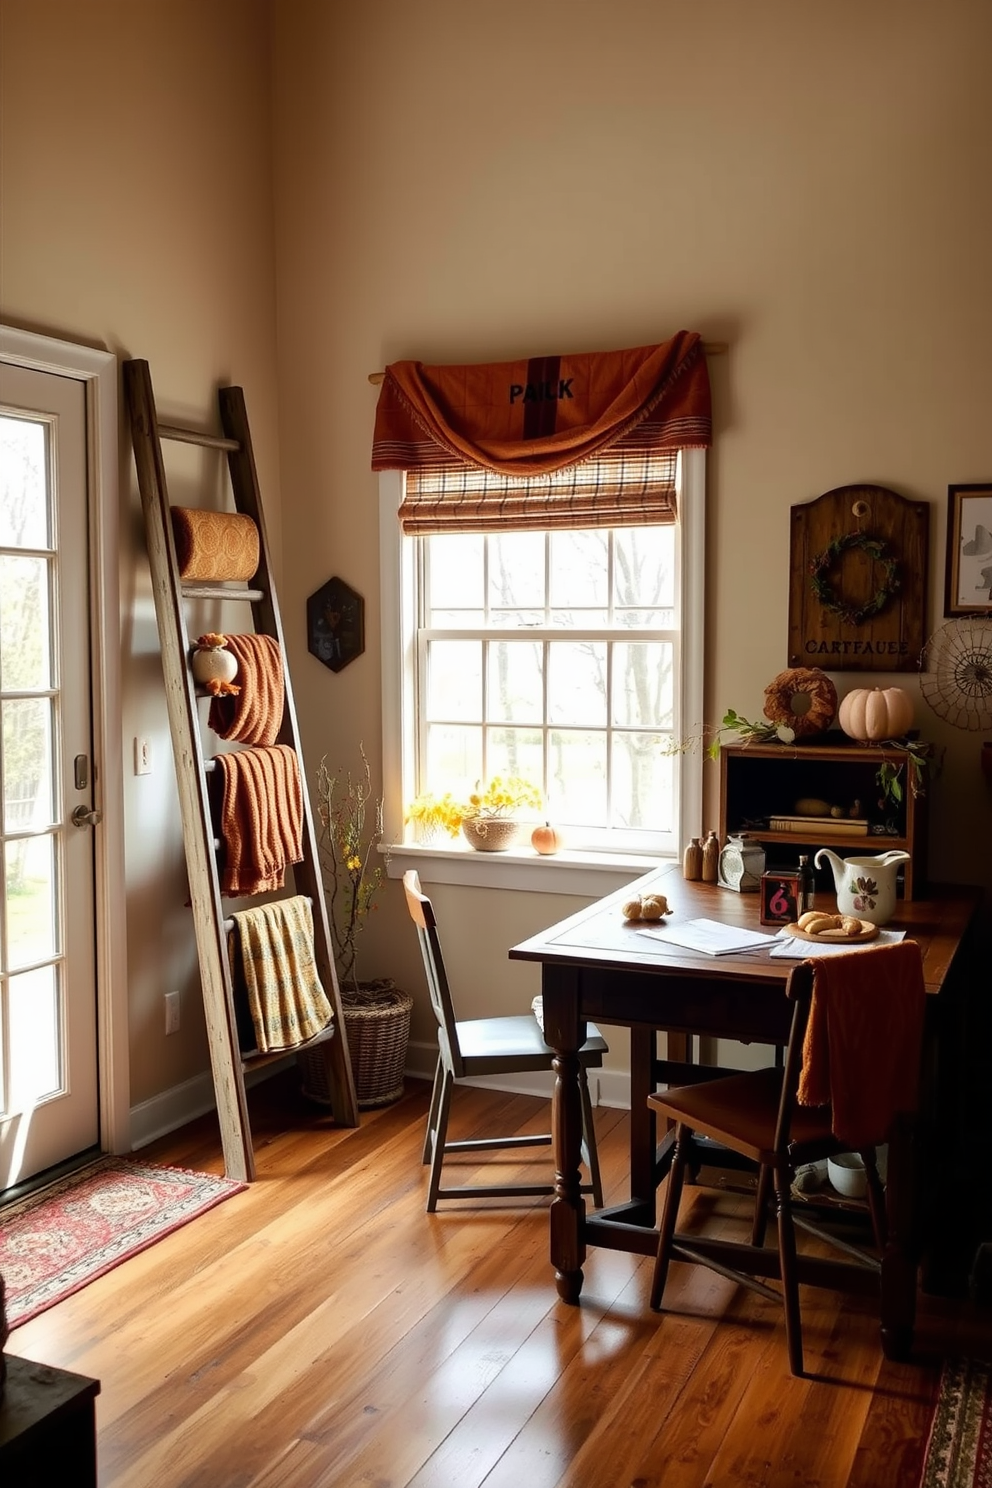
586, 440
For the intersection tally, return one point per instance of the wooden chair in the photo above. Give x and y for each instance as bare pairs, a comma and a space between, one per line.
487, 1046
757, 1114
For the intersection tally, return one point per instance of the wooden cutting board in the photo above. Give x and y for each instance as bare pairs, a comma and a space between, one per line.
835, 937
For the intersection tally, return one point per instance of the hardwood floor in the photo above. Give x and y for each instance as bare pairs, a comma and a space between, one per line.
321, 1331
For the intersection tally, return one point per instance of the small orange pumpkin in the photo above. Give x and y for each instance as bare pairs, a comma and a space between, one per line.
546, 840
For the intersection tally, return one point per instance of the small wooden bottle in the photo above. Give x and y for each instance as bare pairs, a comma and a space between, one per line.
692, 860
711, 858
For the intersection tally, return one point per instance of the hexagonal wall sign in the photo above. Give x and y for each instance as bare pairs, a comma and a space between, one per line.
335, 624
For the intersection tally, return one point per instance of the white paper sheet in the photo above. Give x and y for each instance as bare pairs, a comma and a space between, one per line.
711, 937
791, 949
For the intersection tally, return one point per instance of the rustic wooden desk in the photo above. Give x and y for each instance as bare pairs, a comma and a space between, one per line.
595, 966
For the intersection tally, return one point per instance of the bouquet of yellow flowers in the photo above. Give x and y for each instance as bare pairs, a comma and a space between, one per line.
502, 799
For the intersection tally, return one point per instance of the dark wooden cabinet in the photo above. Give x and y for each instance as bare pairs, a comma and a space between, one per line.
47, 1427
759, 782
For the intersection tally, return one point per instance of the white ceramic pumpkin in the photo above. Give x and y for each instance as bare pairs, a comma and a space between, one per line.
214, 664
874, 713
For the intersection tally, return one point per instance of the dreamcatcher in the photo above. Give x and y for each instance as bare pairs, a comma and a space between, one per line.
956, 673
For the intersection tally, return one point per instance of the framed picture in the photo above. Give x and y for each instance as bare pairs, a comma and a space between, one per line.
968, 583
335, 624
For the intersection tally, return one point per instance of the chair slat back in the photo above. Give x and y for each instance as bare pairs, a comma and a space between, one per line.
799, 989
423, 916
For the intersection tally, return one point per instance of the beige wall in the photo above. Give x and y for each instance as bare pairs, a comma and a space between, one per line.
481, 181
458, 181
137, 216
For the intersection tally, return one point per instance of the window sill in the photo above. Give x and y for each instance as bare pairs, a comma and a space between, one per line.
585, 874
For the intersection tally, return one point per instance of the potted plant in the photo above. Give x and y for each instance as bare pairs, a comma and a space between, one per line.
376, 1013
489, 818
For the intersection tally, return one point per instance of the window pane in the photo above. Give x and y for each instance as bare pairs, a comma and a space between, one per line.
516, 752
453, 759
454, 680
23, 484
455, 572
516, 681
25, 645
644, 559
579, 569
27, 772
516, 571
643, 783
35, 1037
579, 619
643, 692
29, 873
644, 619
577, 778
577, 683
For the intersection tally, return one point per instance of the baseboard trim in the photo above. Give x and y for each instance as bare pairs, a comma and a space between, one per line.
180, 1104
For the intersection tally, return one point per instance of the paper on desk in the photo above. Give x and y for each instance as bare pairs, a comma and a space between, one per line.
790, 948
711, 937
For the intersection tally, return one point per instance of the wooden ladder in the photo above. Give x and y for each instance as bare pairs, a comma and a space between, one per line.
228, 1063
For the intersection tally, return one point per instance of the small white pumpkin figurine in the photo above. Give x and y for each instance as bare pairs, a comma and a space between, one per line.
213, 665
871, 714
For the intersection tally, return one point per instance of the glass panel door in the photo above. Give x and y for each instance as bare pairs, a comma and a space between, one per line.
48, 1075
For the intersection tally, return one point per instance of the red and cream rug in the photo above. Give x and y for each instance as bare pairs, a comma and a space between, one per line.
55, 1241
959, 1453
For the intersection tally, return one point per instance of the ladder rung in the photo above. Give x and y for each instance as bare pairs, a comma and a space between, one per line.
228, 925
193, 436
216, 591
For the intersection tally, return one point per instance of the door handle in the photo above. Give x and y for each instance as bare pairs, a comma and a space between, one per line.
86, 816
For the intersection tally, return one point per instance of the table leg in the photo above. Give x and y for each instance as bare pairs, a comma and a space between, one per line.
898, 1274
643, 1123
564, 1032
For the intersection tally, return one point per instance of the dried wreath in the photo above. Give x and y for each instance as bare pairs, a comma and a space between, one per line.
829, 598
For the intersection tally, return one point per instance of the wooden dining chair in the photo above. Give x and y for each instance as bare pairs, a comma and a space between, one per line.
506, 1045
851, 1066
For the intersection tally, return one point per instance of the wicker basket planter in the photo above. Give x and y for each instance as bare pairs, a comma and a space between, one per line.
377, 1022
490, 833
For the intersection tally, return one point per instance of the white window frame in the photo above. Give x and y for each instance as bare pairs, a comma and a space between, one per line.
575, 872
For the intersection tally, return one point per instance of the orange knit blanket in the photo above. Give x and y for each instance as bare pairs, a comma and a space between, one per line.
272, 949
864, 1039
254, 715
261, 818
528, 417
214, 545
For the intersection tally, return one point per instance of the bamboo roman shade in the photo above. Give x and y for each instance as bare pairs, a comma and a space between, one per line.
570, 441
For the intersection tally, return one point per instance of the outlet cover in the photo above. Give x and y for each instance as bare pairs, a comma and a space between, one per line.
172, 1012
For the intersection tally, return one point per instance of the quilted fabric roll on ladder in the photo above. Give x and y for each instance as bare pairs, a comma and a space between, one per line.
212, 545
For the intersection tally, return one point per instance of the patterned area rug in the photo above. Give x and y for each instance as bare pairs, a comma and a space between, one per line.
959, 1453
54, 1242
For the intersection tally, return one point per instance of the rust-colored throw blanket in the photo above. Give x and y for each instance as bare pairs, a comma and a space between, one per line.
213, 545
526, 418
254, 716
864, 1039
261, 818
273, 951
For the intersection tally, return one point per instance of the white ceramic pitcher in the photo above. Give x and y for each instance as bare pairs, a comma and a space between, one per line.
866, 887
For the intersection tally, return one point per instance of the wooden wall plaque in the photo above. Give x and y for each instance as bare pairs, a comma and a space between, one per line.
858, 581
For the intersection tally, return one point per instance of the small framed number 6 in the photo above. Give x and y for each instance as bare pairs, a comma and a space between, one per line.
779, 898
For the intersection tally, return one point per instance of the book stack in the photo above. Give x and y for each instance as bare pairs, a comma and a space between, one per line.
820, 826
